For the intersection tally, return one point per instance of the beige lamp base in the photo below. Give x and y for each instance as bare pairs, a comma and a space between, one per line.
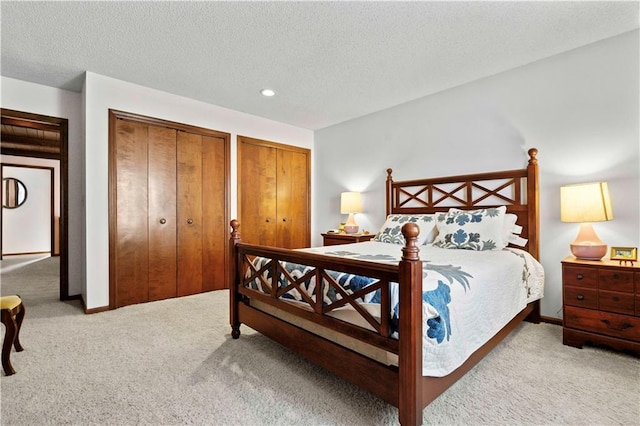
351, 229
587, 245
350, 226
586, 252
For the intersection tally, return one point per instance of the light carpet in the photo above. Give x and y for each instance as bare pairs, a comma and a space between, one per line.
173, 362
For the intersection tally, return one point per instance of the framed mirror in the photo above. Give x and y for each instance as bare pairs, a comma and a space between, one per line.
14, 193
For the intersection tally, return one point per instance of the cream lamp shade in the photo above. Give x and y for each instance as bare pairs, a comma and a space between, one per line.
585, 203
350, 203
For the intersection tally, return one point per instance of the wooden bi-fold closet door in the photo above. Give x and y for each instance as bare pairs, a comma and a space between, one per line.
273, 193
202, 222
169, 198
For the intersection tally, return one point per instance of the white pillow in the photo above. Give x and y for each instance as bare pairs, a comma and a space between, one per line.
510, 226
391, 231
481, 229
512, 231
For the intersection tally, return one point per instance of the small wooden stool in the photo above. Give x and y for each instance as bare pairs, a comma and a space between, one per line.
12, 316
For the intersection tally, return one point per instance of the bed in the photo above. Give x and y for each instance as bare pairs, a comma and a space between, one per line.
366, 311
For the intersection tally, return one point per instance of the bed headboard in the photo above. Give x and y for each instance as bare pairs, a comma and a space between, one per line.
515, 189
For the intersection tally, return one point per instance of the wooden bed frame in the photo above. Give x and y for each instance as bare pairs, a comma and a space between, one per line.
402, 386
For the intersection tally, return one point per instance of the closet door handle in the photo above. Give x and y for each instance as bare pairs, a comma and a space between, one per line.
284, 219
267, 220
163, 221
190, 221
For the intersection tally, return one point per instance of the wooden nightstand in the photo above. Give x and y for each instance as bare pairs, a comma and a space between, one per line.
601, 304
335, 239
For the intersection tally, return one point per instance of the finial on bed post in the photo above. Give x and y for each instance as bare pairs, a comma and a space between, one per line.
410, 251
235, 235
389, 190
533, 152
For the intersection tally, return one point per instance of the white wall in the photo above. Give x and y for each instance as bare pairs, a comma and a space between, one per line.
102, 93
38, 99
580, 109
27, 228
42, 162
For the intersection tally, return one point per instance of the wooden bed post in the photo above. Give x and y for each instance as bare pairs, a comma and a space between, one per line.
233, 280
410, 330
389, 191
533, 203
533, 215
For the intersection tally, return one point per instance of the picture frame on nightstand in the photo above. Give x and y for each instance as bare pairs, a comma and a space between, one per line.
624, 254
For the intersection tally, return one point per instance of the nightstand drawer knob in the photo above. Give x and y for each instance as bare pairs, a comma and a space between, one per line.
579, 276
616, 276
625, 326
580, 297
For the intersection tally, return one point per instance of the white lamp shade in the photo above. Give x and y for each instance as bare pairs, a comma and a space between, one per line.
586, 202
350, 202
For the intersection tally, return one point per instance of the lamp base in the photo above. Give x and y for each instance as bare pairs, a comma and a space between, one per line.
351, 229
587, 245
589, 252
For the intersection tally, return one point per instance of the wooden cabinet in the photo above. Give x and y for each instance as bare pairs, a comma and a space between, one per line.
601, 304
336, 239
273, 193
168, 203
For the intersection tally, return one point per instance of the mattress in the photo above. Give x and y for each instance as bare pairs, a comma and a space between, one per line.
468, 296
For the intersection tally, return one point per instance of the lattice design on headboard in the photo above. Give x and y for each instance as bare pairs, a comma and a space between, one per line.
415, 196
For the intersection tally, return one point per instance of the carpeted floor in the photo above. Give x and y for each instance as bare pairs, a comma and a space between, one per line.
173, 362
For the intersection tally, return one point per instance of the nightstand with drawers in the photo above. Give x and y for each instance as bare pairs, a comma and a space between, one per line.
601, 304
333, 239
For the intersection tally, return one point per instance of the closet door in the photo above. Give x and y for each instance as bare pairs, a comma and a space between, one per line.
215, 226
202, 231
293, 199
131, 243
162, 212
273, 193
168, 209
189, 203
257, 192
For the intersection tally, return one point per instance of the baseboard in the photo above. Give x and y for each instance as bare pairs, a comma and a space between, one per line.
551, 320
26, 253
74, 297
93, 310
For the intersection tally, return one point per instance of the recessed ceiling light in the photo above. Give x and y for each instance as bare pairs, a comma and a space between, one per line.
267, 92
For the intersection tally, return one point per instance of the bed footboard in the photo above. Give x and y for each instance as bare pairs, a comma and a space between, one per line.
401, 385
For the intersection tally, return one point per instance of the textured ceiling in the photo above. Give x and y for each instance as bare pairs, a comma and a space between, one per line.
327, 61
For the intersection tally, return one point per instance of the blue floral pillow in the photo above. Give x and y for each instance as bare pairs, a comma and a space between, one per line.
481, 229
391, 231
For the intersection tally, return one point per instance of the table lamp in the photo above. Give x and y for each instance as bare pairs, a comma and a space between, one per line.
350, 203
585, 203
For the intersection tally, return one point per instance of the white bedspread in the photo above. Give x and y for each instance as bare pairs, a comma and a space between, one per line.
468, 295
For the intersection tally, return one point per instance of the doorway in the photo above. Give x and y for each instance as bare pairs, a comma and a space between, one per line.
31, 135
30, 211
